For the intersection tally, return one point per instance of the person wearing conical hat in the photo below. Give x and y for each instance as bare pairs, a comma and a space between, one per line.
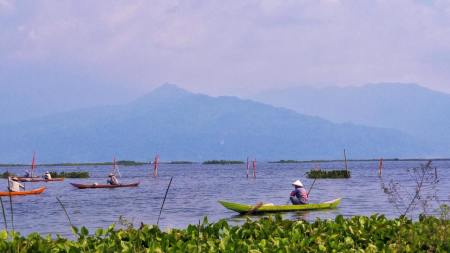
112, 179
299, 196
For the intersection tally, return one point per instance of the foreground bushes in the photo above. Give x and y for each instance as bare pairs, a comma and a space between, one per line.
357, 234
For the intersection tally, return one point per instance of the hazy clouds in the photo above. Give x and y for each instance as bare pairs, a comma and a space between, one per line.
230, 47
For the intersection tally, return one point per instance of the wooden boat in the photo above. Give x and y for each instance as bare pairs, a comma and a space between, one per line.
32, 192
266, 208
32, 178
39, 179
87, 186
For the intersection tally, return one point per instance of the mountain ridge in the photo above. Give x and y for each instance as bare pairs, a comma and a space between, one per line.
180, 125
410, 108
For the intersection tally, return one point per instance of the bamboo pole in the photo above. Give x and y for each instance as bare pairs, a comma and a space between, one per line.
254, 168
155, 166
11, 205
380, 167
248, 167
345, 161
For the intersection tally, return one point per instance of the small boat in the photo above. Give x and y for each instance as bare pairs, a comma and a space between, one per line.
266, 208
87, 186
39, 179
31, 177
32, 192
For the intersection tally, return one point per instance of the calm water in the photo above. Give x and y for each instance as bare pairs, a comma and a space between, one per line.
195, 190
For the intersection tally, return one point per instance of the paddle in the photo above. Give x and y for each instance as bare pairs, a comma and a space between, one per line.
255, 208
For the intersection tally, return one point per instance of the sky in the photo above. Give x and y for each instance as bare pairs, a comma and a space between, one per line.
115, 50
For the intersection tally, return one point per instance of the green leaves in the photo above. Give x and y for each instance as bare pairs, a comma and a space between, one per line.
273, 234
318, 173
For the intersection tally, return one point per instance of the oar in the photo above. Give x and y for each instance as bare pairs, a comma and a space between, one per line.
255, 208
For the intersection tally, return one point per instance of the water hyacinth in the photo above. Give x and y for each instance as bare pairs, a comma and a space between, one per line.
72, 174
357, 234
317, 173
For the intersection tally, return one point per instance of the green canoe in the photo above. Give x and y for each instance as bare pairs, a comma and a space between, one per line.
265, 208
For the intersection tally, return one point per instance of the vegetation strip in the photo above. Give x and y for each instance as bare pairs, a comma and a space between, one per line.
328, 174
73, 174
223, 162
357, 234
7, 174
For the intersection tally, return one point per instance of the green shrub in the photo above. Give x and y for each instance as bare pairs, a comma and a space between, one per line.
7, 174
129, 163
73, 174
356, 234
328, 174
181, 162
287, 161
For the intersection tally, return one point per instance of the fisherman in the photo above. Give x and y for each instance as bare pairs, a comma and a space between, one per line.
47, 175
27, 173
299, 196
113, 179
14, 185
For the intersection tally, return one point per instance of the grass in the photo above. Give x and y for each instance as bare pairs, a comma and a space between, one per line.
223, 162
328, 173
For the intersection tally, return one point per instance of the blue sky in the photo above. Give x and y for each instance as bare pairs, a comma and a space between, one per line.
117, 50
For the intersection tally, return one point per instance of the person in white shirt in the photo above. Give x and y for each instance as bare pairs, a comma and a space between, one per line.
14, 185
113, 179
47, 175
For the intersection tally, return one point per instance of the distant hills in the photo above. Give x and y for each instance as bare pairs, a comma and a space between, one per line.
180, 125
410, 108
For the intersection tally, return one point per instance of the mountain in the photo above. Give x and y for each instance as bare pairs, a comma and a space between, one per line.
180, 125
410, 108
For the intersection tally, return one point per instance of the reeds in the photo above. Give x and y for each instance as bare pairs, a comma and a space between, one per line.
164, 200
4, 214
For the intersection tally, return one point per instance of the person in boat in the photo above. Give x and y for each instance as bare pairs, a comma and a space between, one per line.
47, 175
27, 173
299, 196
14, 185
113, 179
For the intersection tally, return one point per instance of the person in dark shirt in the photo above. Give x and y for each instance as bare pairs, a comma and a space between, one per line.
299, 196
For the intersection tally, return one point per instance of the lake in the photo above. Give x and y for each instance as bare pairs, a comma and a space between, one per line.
195, 190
